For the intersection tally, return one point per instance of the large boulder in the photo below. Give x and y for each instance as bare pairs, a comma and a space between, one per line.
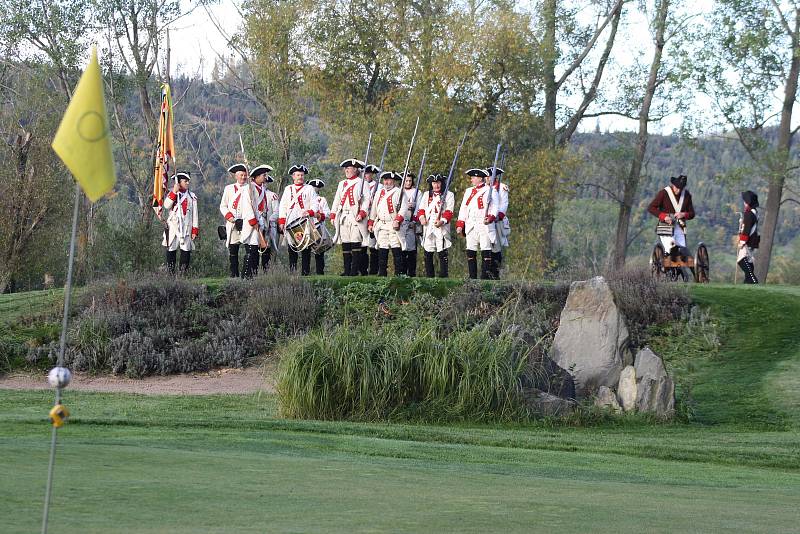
592, 339
649, 365
656, 397
627, 389
547, 405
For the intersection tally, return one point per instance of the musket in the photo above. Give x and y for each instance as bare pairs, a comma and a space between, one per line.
263, 244
421, 170
380, 168
405, 169
450, 175
337, 223
494, 177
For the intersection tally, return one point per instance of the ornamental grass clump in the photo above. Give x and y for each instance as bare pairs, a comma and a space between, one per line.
357, 373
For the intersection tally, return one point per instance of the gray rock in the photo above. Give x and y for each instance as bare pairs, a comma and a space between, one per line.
607, 399
649, 365
548, 405
592, 339
656, 396
627, 389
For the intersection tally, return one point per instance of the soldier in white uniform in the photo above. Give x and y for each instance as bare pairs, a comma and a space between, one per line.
234, 198
183, 226
385, 221
349, 215
323, 213
298, 200
434, 214
476, 218
265, 203
408, 230
502, 224
370, 266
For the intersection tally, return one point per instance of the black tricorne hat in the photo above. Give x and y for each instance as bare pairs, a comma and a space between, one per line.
477, 172
352, 162
750, 198
372, 169
678, 181
498, 172
435, 178
316, 182
388, 174
182, 176
236, 168
294, 168
261, 169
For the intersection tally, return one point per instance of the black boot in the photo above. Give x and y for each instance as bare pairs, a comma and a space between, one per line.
487, 271
383, 261
292, 260
233, 259
250, 260
363, 265
319, 261
265, 257
429, 271
411, 262
183, 264
347, 259
171, 256
444, 264
356, 251
305, 265
747, 268
399, 261
497, 261
472, 264
373, 261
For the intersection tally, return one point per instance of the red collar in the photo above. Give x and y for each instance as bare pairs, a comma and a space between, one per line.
479, 186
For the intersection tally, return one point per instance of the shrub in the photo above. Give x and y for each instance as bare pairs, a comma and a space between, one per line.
353, 372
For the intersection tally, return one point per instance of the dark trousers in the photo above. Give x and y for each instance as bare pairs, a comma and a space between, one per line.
264, 258
430, 272
319, 261
472, 264
749, 272
363, 259
351, 258
487, 265
172, 256
233, 259
305, 261
497, 262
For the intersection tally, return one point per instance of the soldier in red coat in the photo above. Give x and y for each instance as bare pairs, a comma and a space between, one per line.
673, 206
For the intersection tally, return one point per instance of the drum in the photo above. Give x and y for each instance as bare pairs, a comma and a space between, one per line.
302, 233
325, 242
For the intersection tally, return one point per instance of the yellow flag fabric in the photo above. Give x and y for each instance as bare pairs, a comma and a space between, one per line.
165, 154
82, 140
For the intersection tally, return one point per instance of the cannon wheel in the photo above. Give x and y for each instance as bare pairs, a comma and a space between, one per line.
657, 263
701, 265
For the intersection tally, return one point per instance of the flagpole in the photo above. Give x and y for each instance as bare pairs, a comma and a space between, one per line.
61, 348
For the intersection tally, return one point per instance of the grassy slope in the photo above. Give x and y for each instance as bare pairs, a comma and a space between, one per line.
225, 464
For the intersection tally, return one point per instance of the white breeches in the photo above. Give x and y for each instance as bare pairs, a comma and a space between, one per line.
745, 252
436, 239
351, 231
678, 239
183, 242
481, 237
385, 235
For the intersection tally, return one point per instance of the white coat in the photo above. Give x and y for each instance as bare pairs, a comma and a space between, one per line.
436, 239
348, 203
297, 201
236, 204
471, 214
182, 221
384, 215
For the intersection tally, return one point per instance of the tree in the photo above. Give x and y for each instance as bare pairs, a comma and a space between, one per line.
750, 68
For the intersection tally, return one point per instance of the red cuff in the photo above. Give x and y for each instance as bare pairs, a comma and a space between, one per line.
229, 216
447, 215
420, 213
195, 231
172, 196
333, 216
744, 237
252, 222
399, 219
370, 224
491, 218
460, 224
281, 220
501, 215
363, 214
662, 216
310, 213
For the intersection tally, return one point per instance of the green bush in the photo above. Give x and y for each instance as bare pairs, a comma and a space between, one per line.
355, 372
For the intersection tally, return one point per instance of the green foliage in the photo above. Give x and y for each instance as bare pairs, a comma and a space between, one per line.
354, 372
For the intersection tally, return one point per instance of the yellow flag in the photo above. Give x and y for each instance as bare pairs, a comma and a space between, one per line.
82, 140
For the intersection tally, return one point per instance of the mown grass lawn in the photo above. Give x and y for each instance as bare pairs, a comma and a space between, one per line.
129, 463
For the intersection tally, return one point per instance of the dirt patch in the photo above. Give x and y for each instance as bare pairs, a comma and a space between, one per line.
220, 381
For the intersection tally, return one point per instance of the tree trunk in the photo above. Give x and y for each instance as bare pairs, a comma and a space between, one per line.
778, 178
631, 185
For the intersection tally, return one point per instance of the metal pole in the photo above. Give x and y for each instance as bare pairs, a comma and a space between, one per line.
61, 348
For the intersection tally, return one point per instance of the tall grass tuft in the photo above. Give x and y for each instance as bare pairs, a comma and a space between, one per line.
355, 372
